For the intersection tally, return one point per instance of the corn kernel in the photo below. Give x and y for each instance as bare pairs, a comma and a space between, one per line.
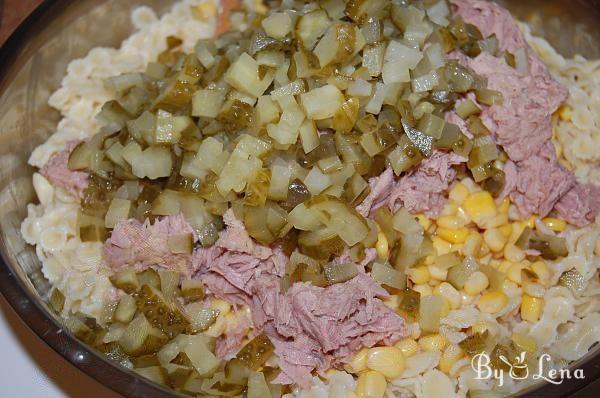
472, 245
495, 239
524, 342
555, 224
541, 270
505, 266
432, 342
359, 362
441, 246
408, 347
382, 247
419, 275
458, 193
424, 290
476, 283
466, 299
503, 208
565, 113
480, 206
437, 273
530, 222
424, 221
513, 253
514, 272
453, 235
531, 308
506, 230
388, 361
449, 209
497, 221
451, 222
450, 293
492, 302
371, 384
517, 230
462, 215
451, 354
445, 310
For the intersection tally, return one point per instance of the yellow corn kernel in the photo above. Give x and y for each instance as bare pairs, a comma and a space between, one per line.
494, 239
448, 292
530, 222
432, 342
451, 354
513, 253
517, 230
458, 193
423, 289
451, 222
505, 266
506, 230
359, 362
492, 302
204, 11
497, 221
565, 113
541, 270
531, 308
514, 272
221, 305
472, 245
382, 247
555, 224
371, 384
476, 283
463, 216
441, 246
449, 209
423, 220
534, 289
503, 208
408, 347
524, 342
437, 273
419, 275
388, 361
480, 206
453, 235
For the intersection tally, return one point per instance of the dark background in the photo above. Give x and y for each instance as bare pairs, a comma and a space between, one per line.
67, 377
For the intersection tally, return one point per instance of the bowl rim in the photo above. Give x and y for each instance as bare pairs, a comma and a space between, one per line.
112, 375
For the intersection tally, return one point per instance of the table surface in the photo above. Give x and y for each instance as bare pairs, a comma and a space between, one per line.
36, 370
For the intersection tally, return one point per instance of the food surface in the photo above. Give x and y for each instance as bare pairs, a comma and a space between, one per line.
325, 199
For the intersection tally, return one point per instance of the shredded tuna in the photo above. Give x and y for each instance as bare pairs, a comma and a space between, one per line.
232, 265
314, 328
142, 245
57, 172
580, 205
380, 186
535, 180
424, 188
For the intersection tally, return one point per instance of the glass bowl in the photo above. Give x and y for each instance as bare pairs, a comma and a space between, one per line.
32, 64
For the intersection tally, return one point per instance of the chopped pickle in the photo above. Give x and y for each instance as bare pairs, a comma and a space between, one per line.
254, 354
192, 289
551, 247
149, 277
339, 273
475, 343
238, 116
573, 280
160, 313
126, 280
410, 304
57, 300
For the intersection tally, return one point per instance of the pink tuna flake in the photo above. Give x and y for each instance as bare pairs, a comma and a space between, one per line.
315, 328
57, 172
142, 245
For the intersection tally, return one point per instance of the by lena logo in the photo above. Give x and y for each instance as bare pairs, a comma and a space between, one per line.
519, 369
